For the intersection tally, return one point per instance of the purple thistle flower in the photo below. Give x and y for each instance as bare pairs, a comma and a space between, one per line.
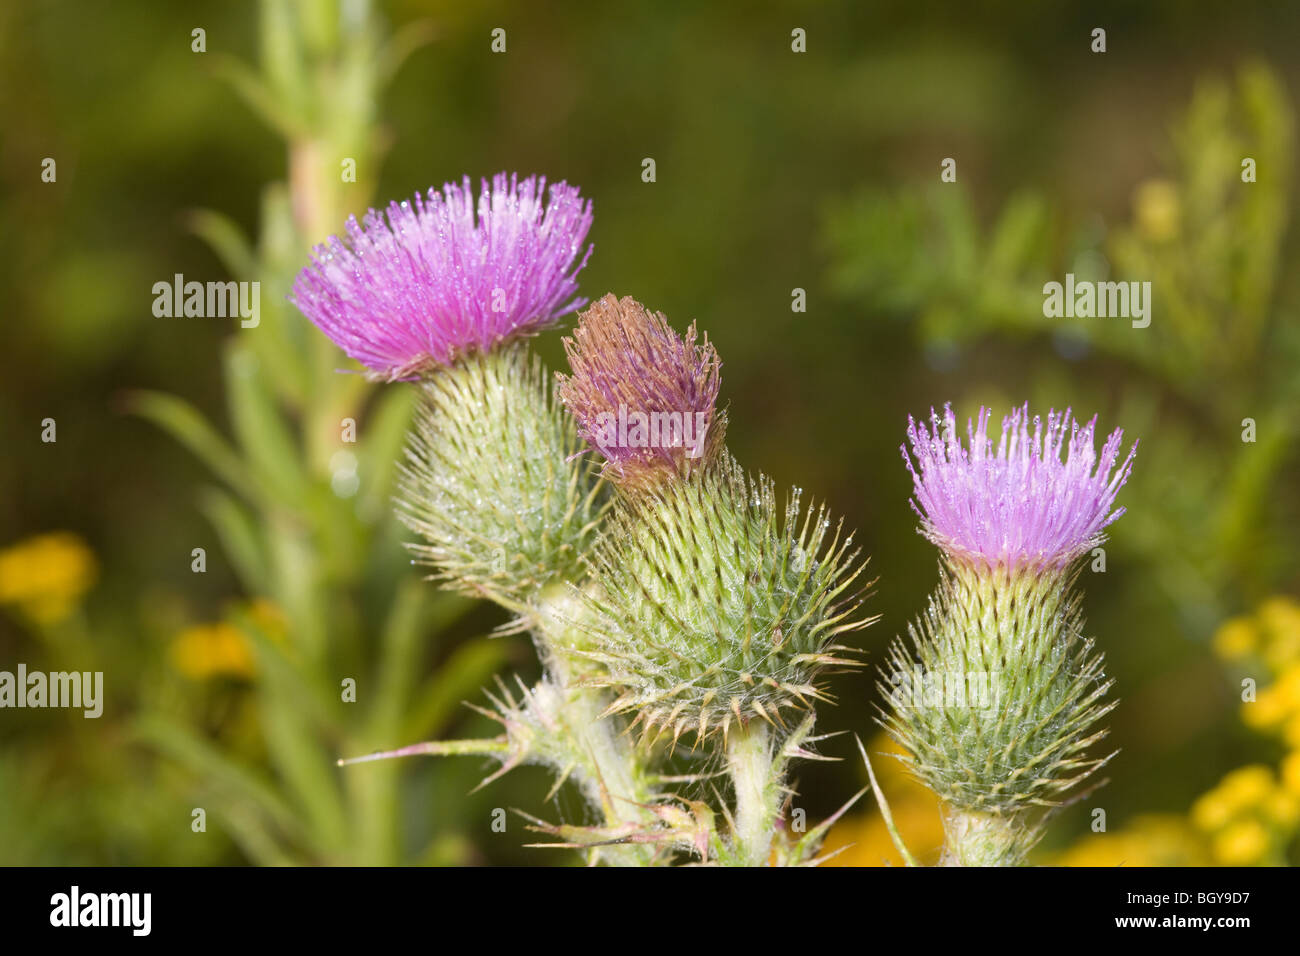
642, 395
431, 281
1022, 505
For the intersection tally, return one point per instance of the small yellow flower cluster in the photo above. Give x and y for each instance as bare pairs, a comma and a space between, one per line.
1250, 817
1269, 640
44, 577
1163, 839
212, 650
1272, 634
221, 649
1253, 814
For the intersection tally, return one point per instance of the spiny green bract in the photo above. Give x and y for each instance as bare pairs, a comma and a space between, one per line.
490, 480
997, 705
714, 607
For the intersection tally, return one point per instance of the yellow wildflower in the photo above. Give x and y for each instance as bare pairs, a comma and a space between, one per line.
1241, 844
212, 650
1291, 773
1288, 686
1241, 791
1235, 638
1211, 811
1278, 707
46, 575
1282, 809
1280, 614
1247, 787
1266, 711
1150, 840
1248, 816
1280, 619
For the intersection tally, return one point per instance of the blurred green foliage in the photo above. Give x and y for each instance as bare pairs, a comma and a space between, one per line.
776, 171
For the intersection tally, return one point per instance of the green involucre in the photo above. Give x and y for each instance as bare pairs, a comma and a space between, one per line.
715, 607
996, 703
491, 484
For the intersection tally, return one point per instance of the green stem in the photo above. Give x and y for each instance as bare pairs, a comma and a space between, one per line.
758, 795
609, 772
972, 838
606, 764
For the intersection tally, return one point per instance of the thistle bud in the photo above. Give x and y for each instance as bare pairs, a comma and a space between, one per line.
715, 608
643, 397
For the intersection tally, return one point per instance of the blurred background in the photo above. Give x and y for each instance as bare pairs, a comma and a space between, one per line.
221, 155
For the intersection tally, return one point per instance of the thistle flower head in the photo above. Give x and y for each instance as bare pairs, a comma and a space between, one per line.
436, 277
1023, 504
643, 396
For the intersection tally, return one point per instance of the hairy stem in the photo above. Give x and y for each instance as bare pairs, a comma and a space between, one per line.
606, 765
750, 762
972, 838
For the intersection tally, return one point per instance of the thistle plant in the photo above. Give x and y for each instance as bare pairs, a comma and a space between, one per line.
669, 597
664, 590
643, 397
998, 700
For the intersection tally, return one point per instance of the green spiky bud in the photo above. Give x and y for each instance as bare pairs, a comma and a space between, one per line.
491, 481
715, 607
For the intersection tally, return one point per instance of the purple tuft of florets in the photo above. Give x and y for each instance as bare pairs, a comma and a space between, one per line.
643, 396
429, 281
1023, 504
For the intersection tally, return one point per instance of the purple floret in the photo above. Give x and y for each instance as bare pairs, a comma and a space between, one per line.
642, 395
429, 281
1023, 503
